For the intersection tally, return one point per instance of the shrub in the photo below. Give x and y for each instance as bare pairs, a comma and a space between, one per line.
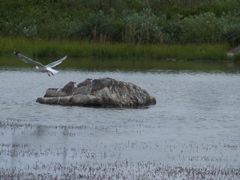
97, 26
130, 21
203, 28
142, 27
232, 31
232, 34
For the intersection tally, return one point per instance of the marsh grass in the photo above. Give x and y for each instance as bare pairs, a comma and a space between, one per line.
53, 48
122, 64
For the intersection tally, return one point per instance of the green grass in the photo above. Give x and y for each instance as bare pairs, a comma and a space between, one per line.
57, 48
126, 64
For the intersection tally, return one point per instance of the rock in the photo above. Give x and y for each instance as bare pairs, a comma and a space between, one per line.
103, 92
234, 51
68, 87
85, 82
55, 92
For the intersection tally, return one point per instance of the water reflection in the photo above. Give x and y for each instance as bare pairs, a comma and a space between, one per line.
96, 64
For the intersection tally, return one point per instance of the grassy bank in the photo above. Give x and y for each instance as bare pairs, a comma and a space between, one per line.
53, 48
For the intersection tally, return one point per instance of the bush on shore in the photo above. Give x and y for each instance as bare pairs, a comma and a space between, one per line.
123, 21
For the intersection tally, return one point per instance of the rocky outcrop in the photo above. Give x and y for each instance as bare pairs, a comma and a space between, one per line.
234, 51
103, 92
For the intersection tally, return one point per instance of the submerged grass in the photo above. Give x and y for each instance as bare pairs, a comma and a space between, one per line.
52, 48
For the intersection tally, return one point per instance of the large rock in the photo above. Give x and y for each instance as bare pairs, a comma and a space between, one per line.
234, 51
104, 92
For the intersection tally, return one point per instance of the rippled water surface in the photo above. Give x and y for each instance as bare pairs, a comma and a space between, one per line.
193, 132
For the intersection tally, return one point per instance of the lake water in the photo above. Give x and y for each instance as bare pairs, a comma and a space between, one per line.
193, 132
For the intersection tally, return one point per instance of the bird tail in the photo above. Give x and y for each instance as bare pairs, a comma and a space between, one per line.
52, 70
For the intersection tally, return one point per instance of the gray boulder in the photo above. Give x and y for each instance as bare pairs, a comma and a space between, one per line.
103, 92
234, 51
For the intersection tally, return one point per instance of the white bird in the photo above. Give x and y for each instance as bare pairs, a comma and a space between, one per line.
40, 67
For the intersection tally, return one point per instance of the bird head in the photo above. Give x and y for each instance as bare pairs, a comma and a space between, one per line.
16, 52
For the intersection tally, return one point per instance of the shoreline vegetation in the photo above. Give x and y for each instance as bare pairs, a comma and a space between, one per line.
38, 48
153, 29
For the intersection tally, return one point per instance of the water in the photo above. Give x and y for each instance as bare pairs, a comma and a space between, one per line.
193, 132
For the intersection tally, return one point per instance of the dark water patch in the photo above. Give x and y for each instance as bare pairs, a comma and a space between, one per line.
128, 64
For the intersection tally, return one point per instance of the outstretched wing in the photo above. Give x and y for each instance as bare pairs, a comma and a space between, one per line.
55, 63
28, 60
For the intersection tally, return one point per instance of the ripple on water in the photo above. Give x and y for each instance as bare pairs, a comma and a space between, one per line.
193, 129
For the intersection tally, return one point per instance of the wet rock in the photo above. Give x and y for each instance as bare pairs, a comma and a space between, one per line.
103, 92
234, 51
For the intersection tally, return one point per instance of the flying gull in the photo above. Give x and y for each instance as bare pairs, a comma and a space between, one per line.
40, 67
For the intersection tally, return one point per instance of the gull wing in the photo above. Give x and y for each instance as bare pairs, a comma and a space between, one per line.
28, 60
55, 63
